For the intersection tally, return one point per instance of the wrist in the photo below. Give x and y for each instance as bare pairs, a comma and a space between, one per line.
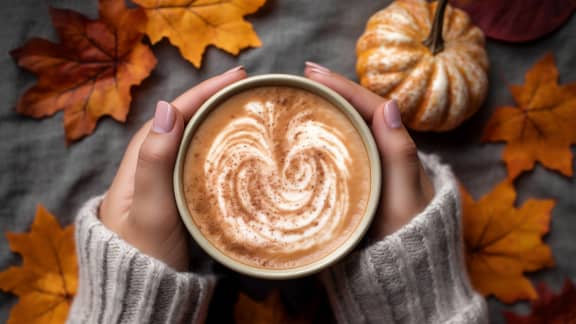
391, 219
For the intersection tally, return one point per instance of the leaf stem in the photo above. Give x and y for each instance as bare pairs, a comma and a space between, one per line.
434, 41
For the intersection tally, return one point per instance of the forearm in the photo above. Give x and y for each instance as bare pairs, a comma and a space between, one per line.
117, 283
415, 275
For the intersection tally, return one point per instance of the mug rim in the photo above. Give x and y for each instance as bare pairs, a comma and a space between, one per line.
336, 100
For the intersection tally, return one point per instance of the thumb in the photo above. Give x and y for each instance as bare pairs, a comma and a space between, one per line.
397, 149
406, 188
153, 204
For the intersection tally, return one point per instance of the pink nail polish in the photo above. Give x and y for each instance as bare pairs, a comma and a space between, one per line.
392, 114
315, 67
236, 69
164, 118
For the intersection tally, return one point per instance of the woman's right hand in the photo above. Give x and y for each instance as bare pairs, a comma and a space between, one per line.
406, 189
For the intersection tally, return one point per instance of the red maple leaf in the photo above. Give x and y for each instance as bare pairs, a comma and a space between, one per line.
549, 308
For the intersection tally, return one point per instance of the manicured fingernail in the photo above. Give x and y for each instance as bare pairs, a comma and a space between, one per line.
164, 118
392, 114
315, 67
236, 69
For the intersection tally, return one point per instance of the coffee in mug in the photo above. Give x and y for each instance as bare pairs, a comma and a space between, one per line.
276, 177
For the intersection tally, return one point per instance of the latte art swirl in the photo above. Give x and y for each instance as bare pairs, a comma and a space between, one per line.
276, 177
288, 199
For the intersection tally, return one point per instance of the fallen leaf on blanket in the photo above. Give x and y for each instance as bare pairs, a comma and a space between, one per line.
542, 126
270, 310
502, 242
46, 281
549, 308
193, 25
517, 20
89, 73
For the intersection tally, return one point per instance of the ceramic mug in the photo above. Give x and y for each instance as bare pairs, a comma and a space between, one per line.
336, 100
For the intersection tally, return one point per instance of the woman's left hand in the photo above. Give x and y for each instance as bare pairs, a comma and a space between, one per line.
140, 205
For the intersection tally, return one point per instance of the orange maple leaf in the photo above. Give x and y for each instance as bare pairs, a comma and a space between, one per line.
542, 127
193, 25
502, 242
47, 280
90, 72
270, 310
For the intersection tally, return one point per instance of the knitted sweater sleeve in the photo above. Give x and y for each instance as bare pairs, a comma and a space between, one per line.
119, 284
415, 275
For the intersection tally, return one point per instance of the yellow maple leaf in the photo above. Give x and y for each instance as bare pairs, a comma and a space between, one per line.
193, 25
502, 242
47, 280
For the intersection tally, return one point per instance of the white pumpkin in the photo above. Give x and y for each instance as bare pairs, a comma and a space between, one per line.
438, 75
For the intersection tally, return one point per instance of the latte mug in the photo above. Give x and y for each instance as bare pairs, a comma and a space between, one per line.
277, 177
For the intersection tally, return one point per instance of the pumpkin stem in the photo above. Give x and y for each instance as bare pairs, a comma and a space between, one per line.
434, 41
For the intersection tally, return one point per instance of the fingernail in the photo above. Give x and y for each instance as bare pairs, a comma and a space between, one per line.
392, 114
315, 67
164, 118
236, 69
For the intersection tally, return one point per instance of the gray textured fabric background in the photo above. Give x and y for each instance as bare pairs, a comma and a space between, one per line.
37, 167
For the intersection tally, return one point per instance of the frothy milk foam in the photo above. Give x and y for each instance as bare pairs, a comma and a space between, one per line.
276, 177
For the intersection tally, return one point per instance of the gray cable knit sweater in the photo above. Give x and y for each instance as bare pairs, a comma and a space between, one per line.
416, 275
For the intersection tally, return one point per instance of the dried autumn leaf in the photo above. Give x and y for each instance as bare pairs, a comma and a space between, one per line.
502, 242
47, 280
90, 72
193, 25
549, 308
517, 20
271, 310
542, 127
